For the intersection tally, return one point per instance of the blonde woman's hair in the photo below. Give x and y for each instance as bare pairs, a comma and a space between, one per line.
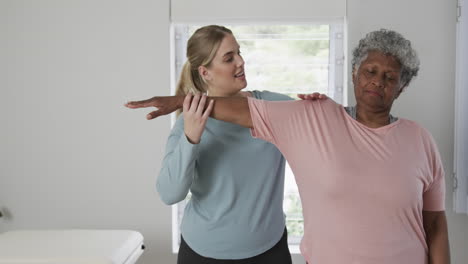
201, 49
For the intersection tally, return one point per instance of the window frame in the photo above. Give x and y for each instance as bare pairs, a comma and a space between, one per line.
336, 78
460, 168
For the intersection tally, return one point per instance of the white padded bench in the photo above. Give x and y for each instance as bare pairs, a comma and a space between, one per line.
70, 246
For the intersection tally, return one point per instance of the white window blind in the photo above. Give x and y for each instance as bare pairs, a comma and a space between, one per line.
183, 11
461, 112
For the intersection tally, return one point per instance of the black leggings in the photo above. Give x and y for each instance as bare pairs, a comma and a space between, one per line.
278, 254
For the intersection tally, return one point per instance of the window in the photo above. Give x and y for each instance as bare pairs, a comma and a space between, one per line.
461, 108
289, 59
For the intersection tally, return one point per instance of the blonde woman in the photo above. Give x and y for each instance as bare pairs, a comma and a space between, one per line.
235, 214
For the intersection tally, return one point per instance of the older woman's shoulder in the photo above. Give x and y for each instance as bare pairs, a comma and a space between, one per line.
326, 104
415, 126
320, 106
410, 123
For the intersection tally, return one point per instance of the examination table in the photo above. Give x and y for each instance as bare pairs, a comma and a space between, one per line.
73, 246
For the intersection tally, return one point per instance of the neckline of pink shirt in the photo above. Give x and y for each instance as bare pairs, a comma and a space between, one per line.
377, 129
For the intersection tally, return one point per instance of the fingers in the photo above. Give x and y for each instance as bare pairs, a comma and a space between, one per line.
201, 105
140, 104
207, 112
153, 115
195, 117
194, 105
308, 96
313, 96
187, 101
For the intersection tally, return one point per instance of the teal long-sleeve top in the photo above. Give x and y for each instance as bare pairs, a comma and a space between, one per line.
237, 185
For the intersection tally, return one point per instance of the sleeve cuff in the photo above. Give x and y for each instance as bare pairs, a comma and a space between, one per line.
187, 147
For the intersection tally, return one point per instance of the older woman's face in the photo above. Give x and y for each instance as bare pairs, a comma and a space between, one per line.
377, 81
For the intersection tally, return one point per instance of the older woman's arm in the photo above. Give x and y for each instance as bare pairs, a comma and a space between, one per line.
435, 226
232, 109
229, 109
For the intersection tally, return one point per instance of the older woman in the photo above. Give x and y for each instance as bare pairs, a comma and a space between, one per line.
371, 184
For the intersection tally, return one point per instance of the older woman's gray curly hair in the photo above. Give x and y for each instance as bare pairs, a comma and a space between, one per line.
390, 43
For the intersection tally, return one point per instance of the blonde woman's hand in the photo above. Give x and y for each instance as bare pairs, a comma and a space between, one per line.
314, 96
195, 116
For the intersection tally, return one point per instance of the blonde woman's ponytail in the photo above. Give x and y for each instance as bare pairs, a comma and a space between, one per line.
201, 50
185, 84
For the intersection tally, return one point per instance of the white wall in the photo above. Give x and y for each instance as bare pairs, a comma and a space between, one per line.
429, 100
73, 157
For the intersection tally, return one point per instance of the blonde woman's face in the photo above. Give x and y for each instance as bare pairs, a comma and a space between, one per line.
225, 75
